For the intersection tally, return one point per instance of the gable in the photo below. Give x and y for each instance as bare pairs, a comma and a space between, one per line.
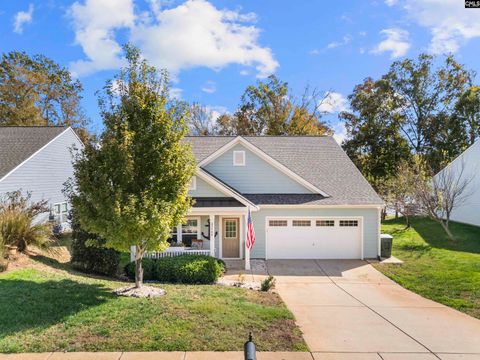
203, 189
257, 176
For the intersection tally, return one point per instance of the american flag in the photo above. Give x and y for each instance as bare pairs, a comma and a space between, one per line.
250, 232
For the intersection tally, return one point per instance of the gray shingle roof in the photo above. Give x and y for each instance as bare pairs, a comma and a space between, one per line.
18, 143
317, 159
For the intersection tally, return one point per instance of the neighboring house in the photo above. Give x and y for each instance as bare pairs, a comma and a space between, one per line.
37, 159
307, 199
468, 165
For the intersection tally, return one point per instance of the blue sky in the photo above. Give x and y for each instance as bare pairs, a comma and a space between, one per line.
214, 49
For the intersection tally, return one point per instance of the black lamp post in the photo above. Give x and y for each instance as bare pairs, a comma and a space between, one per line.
249, 350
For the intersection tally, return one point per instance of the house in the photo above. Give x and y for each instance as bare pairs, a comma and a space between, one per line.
37, 159
307, 199
465, 168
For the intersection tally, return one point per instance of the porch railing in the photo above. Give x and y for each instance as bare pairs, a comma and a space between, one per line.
170, 252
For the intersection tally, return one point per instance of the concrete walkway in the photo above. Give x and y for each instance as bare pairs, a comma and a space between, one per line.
346, 306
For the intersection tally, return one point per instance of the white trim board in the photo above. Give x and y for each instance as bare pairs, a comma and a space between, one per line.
265, 157
36, 152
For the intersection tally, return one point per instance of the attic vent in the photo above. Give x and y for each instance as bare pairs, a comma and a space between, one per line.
239, 158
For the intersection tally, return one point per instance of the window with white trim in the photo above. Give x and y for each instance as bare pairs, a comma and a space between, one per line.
60, 212
193, 183
239, 158
190, 227
303, 223
351, 223
325, 222
277, 223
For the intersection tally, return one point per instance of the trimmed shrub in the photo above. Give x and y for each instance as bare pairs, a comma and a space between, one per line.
89, 255
186, 269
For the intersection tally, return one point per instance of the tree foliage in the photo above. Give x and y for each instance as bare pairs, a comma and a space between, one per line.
268, 108
133, 187
467, 111
37, 91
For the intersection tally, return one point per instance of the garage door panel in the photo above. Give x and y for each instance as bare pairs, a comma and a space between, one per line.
314, 242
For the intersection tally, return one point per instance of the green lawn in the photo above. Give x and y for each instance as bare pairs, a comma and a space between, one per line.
435, 267
46, 310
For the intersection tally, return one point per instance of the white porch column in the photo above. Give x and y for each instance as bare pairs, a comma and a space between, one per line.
179, 234
212, 234
247, 250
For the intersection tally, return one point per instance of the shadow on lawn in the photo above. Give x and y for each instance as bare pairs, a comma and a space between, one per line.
467, 237
31, 305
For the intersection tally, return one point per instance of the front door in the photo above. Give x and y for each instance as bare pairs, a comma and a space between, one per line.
230, 238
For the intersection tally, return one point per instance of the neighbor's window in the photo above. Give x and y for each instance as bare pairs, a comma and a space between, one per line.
193, 183
301, 223
277, 222
325, 222
239, 158
348, 222
60, 212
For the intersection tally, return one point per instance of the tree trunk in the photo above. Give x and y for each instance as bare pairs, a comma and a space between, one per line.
447, 230
407, 219
138, 266
384, 214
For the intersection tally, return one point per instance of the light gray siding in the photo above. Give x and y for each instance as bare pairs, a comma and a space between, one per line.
205, 190
370, 225
256, 177
45, 173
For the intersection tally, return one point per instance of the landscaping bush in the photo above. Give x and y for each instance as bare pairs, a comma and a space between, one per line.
186, 269
268, 283
17, 227
89, 255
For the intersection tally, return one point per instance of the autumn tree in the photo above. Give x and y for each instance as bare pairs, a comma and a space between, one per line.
132, 187
467, 110
269, 108
374, 141
35, 90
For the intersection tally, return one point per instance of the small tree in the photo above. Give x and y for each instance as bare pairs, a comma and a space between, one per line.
440, 195
401, 190
132, 187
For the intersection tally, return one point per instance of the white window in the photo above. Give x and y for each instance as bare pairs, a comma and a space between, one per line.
239, 158
190, 227
277, 223
193, 183
60, 212
352, 223
301, 223
325, 222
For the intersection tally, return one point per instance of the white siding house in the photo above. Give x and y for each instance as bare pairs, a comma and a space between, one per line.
468, 163
38, 160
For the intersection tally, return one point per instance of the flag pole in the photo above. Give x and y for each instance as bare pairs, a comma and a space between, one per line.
247, 250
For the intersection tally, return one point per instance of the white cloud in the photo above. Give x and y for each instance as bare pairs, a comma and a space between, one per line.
345, 41
450, 24
189, 35
95, 22
333, 102
396, 42
176, 93
209, 87
314, 52
339, 132
21, 18
390, 2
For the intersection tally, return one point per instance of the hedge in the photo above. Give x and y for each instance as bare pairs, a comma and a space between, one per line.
185, 269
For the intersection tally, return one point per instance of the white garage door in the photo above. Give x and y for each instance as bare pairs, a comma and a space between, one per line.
314, 238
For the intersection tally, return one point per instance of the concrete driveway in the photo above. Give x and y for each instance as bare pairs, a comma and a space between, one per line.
346, 306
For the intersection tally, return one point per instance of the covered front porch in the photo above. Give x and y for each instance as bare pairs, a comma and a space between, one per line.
219, 231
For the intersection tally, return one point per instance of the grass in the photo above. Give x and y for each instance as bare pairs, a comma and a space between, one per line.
434, 266
51, 310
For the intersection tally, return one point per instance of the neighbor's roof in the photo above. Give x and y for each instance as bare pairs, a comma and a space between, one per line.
18, 143
317, 159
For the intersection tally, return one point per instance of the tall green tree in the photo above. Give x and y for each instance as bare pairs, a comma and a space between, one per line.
467, 110
374, 141
426, 95
268, 108
132, 187
35, 90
